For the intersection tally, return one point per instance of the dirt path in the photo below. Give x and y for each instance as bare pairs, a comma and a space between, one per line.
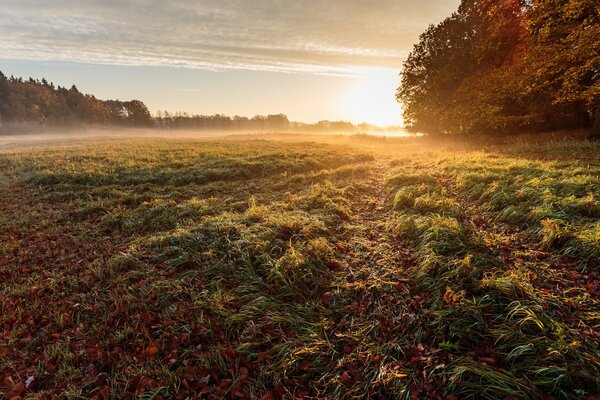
374, 257
374, 304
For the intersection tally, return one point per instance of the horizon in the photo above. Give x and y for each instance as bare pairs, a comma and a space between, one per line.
339, 61
161, 113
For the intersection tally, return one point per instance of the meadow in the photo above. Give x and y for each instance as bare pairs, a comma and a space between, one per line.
299, 267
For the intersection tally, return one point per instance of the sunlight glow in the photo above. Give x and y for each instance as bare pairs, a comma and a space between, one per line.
372, 99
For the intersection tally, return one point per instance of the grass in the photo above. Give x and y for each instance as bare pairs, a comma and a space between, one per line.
340, 268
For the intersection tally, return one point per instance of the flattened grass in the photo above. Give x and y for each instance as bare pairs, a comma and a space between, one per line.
249, 269
509, 333
558, 200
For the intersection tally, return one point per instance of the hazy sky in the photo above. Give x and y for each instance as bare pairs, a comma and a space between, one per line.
310, 59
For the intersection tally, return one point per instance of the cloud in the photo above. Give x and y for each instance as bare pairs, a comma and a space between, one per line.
329, 37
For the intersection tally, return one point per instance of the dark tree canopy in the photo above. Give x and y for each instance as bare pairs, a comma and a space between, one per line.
40, 102
498, 66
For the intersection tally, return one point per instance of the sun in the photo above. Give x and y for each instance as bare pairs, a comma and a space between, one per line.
371, 98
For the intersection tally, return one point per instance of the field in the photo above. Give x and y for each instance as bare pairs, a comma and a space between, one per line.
283, 267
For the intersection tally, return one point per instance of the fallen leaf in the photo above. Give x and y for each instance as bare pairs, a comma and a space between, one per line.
151, 351
305, 365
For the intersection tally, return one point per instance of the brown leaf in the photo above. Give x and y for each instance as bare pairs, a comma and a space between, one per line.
305, 365
151, 351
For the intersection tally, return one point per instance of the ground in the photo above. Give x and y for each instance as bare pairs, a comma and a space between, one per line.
299, 267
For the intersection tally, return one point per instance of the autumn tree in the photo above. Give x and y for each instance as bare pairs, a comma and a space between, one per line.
442, 75
40, 102
4, 90
564, 59
138, 113
504, 65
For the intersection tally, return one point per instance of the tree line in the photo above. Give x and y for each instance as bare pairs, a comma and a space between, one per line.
274, 122
183, 120
503, 66
42, 103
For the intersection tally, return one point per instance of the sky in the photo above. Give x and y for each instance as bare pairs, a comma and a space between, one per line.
309, 59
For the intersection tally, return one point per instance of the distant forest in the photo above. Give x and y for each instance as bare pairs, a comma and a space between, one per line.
42, 103
276, 122
504, 66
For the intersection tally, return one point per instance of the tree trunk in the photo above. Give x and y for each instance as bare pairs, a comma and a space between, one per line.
595, 132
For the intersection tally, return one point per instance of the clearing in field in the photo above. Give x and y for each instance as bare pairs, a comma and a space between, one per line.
299, 268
